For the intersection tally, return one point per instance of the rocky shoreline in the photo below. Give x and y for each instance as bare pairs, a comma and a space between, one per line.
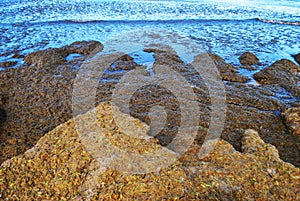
37, 97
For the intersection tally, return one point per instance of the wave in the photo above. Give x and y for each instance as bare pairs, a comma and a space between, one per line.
279, 22
161, 21
71, 21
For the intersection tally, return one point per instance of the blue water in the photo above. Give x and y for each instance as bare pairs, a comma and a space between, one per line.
268, 28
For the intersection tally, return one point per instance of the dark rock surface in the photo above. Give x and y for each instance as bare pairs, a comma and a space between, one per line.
284, 73
48, 57
84, 47
7, 64
56, 56
36, 98
18, 56
297, 58
3, 116
228, 71
39, 99
248, 58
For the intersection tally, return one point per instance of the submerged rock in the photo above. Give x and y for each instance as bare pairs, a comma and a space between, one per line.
248, 58
60, 167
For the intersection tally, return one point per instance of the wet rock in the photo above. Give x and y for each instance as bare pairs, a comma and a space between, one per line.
297, 58
18, 56
228, 71
271, 129
248, 58
36, 100
85, 47
259, 97
292, 120
48, 57
234, 77
217, 59
282, 72
7, 64
41, 99
222, 65
57, 56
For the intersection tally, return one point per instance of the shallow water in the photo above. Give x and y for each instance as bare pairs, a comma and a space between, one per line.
268, 28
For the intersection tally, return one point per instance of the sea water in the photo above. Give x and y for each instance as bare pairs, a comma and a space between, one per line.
269, 28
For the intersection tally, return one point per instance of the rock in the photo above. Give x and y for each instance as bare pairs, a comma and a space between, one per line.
40, 99
228, 71
297, 58
253, 144
18, 56
248, 167
282, 72
48, 57
216, 58
258, 97
7, 64
222, 65
248, 58
84, 47
292, 120
57, 56
234, 77
60, 163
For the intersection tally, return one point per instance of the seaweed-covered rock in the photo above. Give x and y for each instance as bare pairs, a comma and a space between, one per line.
59, 167
39, 98
248, 58
282, 72
292, 120
253, 144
